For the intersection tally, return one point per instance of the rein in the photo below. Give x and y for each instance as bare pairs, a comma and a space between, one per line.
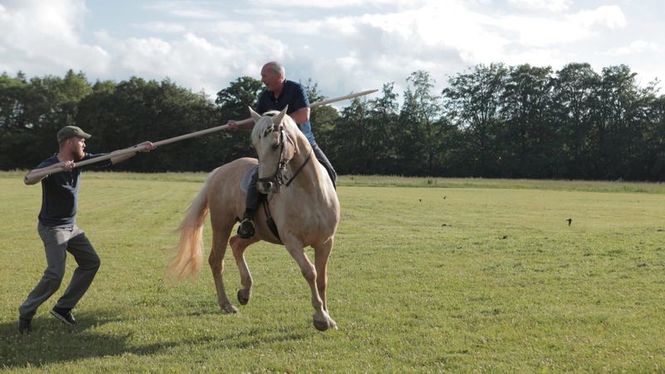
309, 156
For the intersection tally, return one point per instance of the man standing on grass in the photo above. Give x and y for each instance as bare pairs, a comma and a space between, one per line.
58, 230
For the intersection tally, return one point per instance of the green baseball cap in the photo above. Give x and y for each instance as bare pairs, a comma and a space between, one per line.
70, 132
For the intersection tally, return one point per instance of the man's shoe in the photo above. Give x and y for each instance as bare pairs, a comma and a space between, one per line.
64, 315
246, 228
24, 325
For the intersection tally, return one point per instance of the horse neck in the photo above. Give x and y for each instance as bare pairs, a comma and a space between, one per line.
310, 175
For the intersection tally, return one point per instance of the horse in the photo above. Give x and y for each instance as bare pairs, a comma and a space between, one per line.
301, 202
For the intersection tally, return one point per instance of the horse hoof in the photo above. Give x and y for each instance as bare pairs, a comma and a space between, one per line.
321, 325
229, 309
243, 297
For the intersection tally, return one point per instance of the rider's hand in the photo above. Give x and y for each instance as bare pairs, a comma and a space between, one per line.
148, 146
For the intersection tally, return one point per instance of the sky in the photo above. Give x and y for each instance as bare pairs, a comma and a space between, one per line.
342, 45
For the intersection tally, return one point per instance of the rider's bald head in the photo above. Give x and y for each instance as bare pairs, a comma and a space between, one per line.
276, 68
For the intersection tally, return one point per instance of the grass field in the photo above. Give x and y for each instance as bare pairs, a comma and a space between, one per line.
427, 275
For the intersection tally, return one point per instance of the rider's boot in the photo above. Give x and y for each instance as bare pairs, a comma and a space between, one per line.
246, 229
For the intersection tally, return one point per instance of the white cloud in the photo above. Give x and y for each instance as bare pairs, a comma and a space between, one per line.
637, 47
185, 9
231, 28
445, 36
344, 46
36, 36
191, 59
610, 16
39, 36
549, 5
545, 31
330, 3
163, 27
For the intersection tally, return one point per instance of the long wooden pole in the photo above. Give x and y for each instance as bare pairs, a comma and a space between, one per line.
138, 148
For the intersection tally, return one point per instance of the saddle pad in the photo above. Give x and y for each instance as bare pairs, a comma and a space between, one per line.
247, 178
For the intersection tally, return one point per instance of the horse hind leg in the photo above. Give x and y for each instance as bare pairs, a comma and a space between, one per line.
238, 245
220, 237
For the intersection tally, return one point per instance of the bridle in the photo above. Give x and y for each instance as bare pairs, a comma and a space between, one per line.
278, 178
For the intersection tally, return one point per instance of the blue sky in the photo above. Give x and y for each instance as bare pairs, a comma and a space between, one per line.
344, 45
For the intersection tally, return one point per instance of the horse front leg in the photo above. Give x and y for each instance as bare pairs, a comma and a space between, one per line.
321, 255
220, 239
238, 245
320, 319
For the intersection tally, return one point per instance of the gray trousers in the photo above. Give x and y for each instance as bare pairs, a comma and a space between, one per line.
57, 241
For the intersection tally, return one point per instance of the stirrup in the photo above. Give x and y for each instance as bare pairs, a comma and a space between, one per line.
246, 228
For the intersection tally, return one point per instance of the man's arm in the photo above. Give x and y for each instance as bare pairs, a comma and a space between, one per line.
301, 115
300, 101
147, 147
36, 175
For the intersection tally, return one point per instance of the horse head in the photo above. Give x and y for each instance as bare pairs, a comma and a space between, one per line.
274, 147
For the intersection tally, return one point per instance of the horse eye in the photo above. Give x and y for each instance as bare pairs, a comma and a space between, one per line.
275, 146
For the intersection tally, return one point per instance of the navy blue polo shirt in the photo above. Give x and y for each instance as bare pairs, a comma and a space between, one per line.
292, 95
60, 193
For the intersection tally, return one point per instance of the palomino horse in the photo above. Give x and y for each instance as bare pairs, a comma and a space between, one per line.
302, 201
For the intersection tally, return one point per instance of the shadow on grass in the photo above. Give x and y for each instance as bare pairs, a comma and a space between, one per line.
252, 338
52, 342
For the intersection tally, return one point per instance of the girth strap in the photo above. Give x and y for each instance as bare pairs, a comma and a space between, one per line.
269, 221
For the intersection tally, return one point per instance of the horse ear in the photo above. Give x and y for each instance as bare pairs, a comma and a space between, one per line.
255, 116
278, 118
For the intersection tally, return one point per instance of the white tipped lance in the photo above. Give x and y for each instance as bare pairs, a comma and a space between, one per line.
138, 148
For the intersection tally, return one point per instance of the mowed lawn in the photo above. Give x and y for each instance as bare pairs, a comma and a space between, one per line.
427, 275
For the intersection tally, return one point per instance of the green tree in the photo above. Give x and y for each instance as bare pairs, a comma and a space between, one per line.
528, 143
383, 131
622, 116
349, 136
654, 140
420, 136
574, 96
473, 103
137, 110
40, 108
232, 103
322, 119
14, 127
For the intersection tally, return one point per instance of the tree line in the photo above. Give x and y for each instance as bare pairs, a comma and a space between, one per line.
490, 121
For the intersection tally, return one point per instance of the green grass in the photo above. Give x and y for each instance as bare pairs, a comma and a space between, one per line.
466, 275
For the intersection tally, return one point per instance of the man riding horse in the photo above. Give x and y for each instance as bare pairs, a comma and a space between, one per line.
279, 94
303, 204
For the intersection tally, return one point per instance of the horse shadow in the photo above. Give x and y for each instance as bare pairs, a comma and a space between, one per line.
53, 342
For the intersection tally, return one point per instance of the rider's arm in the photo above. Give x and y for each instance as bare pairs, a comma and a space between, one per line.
301, 115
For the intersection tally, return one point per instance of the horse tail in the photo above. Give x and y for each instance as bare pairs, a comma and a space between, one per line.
187, 262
